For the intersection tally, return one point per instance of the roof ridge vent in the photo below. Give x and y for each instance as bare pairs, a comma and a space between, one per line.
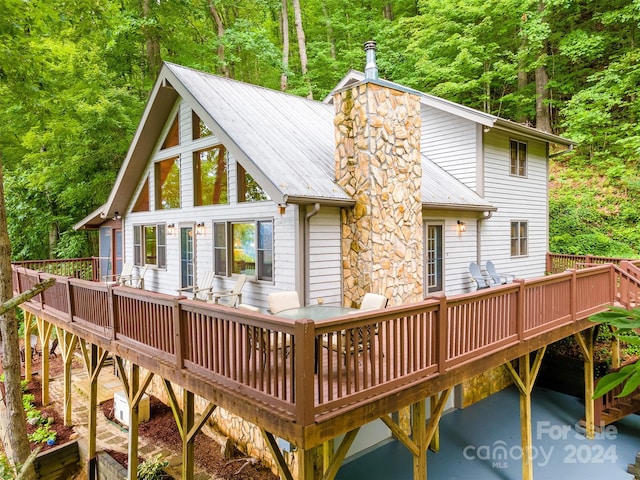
370, 69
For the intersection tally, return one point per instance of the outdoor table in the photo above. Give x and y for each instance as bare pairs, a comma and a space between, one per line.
316, 312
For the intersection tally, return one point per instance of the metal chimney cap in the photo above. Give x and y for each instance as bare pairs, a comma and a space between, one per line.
371, 68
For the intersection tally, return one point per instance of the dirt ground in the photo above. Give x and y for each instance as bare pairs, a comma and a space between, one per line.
161, 427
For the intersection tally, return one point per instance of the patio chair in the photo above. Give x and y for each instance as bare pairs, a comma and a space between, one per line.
373, 301
233, 296
135, 281
203, 288
482, 281
120, 278
499, 278
279, 301
261, 343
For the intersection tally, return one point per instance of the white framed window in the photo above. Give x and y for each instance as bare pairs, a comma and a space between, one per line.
518, 158
519, 238
244, 247
434, 257
150, 245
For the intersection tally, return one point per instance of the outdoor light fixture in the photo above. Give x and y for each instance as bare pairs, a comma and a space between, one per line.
117, 216
461, 226
281, 208
200, 228
171, 229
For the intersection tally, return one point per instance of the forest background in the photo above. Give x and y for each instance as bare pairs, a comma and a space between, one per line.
75, 76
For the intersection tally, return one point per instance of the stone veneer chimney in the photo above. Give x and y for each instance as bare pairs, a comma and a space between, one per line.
378, 162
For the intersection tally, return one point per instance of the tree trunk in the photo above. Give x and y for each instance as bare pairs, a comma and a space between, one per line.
223, 67
15, 436
330, 36
152, 44
302, 44
543, 109
284, 76
387, 11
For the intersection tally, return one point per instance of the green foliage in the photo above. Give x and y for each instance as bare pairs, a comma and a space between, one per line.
43, 434
152, 468
6, 470
625, 322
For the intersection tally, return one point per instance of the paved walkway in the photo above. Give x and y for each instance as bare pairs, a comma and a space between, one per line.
483, 442
110, 436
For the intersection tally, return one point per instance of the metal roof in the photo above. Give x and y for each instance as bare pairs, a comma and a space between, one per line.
285, 142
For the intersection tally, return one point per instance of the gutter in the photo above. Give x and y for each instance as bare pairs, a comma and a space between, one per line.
487, 216
562, 152
306, 248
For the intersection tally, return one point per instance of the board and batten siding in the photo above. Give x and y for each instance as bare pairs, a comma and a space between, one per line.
450, 142
285, 226
517, 198
325, 265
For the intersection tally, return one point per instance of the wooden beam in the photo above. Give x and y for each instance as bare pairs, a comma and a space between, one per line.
340, 454
29, 325
92, 364
419, 435
273, 447
434, 444
188, 448
132, 452
524, 378
586, 343
44, 334
67, 343
400, 434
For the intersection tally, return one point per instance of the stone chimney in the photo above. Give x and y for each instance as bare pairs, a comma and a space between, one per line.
377, 129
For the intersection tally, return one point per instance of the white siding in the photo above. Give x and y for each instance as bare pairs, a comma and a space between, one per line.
324, 276
450, 141
459, 249
517, 198
285, 227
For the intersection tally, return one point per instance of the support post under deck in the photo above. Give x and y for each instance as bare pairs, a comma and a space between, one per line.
67, 342
524, 379
586, 343
44, 333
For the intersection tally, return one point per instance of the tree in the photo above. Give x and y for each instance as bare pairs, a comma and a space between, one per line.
302, 44
625, 322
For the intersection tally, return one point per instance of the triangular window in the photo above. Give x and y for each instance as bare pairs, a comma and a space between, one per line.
173, 135
200, 130
142, 202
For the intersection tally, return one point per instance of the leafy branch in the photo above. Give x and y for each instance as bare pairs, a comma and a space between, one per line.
626, 322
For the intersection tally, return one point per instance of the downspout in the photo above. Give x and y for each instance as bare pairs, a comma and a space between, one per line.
570, 149
486, 216
306, 248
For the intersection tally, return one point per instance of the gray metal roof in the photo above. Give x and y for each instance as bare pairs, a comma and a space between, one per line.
285, 142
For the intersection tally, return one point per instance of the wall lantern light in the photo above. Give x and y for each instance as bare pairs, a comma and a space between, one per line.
171, 229
281, 208
200, 228
117, 216
461, 226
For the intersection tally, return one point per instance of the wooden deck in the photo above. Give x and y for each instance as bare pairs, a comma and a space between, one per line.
265, 368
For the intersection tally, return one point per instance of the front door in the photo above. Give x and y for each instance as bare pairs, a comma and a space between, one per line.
186, 257
434, 271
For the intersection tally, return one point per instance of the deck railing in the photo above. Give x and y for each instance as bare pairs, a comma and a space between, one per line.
309, 369
557, 262
85, 268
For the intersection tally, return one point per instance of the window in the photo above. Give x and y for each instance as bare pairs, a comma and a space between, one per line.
248, 188
220, 248
142, 202
518, 238
250, 245
210, 176
173, 135
168, 184
200, 130
518, 158
434, 259
149, 245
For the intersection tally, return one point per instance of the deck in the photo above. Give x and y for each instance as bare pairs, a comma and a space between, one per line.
265, 368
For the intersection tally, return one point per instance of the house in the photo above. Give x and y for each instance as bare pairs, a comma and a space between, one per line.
379, 188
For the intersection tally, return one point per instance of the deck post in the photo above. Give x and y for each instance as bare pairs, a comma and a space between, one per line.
93, 406
188, 447
586, 343
419, 436
28, 328
67, 343
134, 382
44, 333
434, 444
524, 379
306, 464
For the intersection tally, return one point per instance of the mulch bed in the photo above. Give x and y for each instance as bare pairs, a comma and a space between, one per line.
162, 428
